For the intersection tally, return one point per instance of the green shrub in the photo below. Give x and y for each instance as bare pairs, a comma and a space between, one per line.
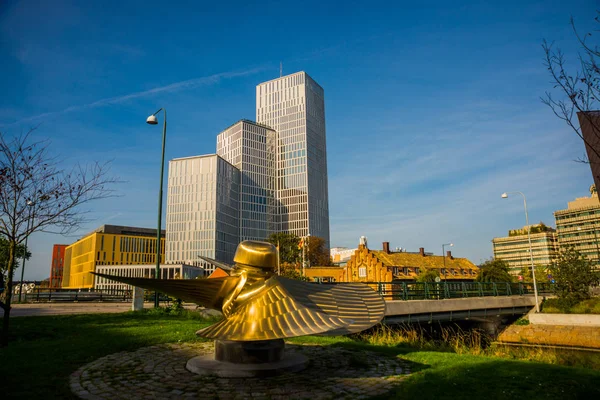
571, 306
522, 322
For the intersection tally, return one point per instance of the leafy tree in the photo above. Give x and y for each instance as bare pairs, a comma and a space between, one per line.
289, 252
573, 276
21, 253
428, 275
316, 252
541, 274
494, 270
578, 92
291, 271
290, 249
36, 194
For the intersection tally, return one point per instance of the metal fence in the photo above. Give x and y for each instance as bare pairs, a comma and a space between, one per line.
454, 290
52, 294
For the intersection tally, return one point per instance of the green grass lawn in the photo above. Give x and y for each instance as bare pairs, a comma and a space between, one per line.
554, 306
44, 351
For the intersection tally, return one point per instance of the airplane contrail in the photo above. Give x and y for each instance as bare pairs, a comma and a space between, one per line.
183, 85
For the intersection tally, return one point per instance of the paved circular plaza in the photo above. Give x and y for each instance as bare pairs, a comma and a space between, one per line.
158, 372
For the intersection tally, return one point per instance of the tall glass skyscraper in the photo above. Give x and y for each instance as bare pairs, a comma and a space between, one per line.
266, 177
294, 107
250, 147
203, 209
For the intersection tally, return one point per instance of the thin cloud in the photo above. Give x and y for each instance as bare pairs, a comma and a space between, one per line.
174, 87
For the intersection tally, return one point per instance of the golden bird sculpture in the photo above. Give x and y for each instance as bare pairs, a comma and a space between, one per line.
257, 304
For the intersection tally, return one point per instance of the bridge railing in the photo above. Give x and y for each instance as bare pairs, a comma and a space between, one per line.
453, 290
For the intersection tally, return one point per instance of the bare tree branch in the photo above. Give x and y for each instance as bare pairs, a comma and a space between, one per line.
578, 92
37, 195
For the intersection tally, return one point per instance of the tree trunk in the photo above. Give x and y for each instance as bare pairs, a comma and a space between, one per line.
9, 289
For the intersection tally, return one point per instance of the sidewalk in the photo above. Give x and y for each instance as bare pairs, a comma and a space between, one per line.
35, 309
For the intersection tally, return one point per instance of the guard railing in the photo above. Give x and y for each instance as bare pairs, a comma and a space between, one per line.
453, 290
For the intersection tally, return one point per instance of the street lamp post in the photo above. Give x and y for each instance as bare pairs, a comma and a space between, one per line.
444, 255
153, 121
29, 223
535, 292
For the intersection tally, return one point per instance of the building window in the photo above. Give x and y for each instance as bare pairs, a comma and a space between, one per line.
362, 272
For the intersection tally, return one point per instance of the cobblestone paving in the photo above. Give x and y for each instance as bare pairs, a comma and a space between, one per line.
158, 372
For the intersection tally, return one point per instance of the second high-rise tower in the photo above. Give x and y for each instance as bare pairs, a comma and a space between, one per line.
294, 107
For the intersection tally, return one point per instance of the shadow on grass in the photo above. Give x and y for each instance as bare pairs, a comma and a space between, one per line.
447, 375
452, 376
44, 351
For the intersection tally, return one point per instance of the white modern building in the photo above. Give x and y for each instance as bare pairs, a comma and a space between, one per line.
250, 147
170, 271
341, 254
294, 107
203, 206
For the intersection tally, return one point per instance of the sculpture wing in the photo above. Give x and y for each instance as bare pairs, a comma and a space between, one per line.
354, 302
205, 292
271, 312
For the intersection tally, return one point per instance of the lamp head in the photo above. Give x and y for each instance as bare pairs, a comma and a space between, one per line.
152, 120
451, 244
504, 196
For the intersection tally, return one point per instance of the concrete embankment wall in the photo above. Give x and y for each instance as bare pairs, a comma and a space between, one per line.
565, 319
555, 330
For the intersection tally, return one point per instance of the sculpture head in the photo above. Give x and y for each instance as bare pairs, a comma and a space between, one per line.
255, 254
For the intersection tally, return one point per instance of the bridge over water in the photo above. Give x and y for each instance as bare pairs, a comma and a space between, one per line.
448, 301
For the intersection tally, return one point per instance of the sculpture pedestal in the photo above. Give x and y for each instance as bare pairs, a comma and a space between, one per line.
233, 359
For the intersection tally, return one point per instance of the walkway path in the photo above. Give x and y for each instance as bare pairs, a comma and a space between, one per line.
158, 372
33, 309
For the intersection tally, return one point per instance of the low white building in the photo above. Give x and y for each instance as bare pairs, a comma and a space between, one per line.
341, 254
168, 271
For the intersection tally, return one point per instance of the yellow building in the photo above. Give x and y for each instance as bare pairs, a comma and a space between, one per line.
514, 248
579, 226
327, 274
108, 245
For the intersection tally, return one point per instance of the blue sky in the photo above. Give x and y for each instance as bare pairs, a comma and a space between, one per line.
432, 110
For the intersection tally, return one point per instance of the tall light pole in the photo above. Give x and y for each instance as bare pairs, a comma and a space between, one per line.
535, 292
444, 255
29, 223
153, 121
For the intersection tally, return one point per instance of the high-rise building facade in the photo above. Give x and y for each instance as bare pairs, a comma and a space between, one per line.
514, 248
203, 206
294, 107
579, 226
250, 147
